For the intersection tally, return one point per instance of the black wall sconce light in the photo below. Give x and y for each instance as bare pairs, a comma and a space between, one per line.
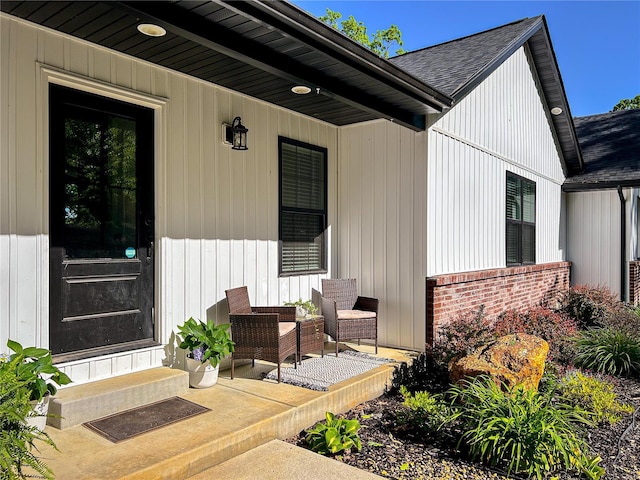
236, 134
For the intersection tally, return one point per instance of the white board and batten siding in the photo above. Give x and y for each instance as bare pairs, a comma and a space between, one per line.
382, 201
216, 209
500, 126
594, 230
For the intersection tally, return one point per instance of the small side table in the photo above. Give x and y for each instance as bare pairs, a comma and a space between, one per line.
310, 332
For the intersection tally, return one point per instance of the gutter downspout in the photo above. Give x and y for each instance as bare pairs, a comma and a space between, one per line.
623, 244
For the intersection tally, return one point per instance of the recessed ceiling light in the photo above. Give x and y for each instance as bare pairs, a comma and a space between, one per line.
152, 30
556, 111
301, 89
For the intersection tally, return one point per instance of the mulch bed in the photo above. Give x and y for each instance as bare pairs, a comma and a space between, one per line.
393, 451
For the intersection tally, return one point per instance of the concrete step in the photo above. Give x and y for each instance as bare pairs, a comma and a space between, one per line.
245, 413
277, 460
78, 404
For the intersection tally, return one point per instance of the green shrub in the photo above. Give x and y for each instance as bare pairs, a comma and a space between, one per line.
554, 327
423, 373
593, 395
590, 306
334, 435
425, 410
609, 350
520, 430
462, 335
17, 439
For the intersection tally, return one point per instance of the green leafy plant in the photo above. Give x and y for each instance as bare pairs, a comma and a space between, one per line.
308, 305
427, 411
554, 327
627, 104
595, 396
36, 371
206, 341
18, 448
609, 350
520, 430
334, 435
381, 42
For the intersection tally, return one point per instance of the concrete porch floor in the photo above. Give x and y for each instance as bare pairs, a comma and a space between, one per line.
247, 415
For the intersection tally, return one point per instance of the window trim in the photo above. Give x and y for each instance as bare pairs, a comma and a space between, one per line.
520, 223
305, 211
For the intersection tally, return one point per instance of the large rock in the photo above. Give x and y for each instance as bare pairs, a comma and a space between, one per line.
510, 360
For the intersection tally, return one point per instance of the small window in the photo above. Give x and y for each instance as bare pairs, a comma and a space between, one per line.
521, 220
303, 207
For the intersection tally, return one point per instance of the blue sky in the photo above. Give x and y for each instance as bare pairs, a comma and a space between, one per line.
597, 43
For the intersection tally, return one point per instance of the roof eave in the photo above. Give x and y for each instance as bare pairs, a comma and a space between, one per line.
566, 116
293, 20
608, 185
307, 29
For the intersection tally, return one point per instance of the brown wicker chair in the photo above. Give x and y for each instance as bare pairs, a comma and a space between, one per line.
263, 333
347, 316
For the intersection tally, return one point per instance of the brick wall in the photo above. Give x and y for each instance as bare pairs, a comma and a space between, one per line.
634, 282
497, 289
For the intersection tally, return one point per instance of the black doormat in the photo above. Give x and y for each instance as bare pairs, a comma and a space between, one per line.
130, 423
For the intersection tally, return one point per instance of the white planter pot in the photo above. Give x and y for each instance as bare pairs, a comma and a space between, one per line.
301, 312
40, 411
201, 375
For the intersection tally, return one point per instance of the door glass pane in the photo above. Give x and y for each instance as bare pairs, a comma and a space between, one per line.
100, 186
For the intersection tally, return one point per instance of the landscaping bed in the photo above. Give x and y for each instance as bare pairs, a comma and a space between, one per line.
581, 421
393, 450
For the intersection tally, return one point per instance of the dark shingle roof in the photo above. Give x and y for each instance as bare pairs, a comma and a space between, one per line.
610, 144
450, 66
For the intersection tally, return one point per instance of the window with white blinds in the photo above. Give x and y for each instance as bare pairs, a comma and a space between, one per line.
303, 207
521, 220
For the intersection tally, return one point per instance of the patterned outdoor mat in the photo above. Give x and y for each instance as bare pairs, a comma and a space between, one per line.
319, 373
130, 423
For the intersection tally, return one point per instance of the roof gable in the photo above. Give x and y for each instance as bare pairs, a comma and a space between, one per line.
610, 144
459, 66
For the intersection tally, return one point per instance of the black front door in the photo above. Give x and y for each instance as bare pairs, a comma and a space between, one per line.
101, 277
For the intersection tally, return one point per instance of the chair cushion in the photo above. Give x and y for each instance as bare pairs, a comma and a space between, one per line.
354, 314
286, 327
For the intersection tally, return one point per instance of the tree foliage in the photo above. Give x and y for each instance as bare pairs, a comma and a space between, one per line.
627, 104
380, 43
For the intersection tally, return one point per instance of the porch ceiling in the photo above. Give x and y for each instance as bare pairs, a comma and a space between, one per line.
259, 48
